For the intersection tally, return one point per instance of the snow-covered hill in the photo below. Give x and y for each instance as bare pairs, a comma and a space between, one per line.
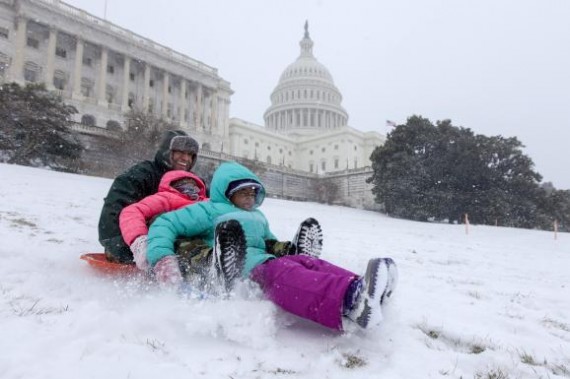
494, 303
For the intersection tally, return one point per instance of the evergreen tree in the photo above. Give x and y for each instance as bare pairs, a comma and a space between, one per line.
440, 172
35, 128
554, 206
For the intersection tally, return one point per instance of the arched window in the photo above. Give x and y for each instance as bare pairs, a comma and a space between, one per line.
206, 146
59, 79
268, 159
31, 72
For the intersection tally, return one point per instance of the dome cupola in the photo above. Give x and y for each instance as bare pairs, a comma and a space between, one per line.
306, 99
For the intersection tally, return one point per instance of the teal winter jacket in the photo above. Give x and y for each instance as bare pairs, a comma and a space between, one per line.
199, 220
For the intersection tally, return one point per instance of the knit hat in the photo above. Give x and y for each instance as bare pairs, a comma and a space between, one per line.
186, 144
237, 185
176, 140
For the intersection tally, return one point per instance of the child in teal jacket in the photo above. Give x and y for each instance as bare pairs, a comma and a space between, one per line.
303, 285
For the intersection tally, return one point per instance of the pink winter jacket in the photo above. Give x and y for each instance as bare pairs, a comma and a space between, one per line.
134, 220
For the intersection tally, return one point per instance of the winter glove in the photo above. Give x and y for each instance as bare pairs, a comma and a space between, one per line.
167, 272
280, 248
138, 247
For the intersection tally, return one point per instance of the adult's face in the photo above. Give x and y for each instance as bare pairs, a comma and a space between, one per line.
181, 160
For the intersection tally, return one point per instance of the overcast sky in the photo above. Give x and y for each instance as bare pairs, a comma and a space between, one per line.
495, 66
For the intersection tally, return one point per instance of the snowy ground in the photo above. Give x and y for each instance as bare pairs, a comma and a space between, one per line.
494, 303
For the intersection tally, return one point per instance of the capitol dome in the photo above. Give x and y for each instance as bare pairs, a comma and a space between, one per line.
306, 99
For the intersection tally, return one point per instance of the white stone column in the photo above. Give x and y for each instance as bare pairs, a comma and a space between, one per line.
165, 81
102, 79
182, 102
191, 102
52, 39
205, 109
214, 113
16, 72
221, 114
126, 81
220, 111
198, 120
226, 115
146, 88
77, 69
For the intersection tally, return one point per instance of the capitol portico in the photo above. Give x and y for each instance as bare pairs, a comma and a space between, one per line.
105, 70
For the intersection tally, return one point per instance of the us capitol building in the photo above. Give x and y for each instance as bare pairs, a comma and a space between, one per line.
105, 71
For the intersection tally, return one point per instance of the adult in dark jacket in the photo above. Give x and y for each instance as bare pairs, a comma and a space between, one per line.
177, 151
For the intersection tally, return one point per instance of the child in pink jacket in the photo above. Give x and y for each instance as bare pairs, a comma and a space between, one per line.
177, 189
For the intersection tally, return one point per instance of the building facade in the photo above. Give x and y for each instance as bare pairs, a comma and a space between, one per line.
105, 70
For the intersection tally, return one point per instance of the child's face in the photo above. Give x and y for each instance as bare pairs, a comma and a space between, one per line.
188, 187
244, 198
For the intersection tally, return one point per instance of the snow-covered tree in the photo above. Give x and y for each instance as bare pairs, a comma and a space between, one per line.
440, 172
35, 128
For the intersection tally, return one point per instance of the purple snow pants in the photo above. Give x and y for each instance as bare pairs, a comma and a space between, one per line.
305, 286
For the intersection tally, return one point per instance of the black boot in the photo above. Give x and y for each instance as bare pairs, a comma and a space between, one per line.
309, 238
229, 252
